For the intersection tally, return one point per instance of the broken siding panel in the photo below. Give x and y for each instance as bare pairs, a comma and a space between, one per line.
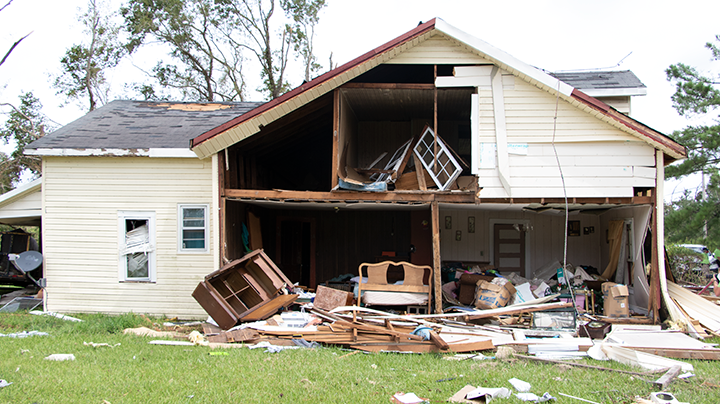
82, 198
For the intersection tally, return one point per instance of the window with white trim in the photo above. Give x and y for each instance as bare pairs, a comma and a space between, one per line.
136, 231
193, 232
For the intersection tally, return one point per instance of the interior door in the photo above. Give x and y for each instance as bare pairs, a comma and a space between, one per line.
296, 249
509, 248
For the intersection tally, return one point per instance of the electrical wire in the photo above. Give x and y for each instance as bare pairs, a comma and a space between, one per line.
562, 178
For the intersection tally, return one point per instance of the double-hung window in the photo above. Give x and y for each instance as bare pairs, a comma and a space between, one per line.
193, 230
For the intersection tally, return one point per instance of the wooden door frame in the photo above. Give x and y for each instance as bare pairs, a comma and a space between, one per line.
491, 238
278, 243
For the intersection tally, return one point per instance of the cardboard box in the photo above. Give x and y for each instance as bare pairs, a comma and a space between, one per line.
491, 296
615, 300
468, 285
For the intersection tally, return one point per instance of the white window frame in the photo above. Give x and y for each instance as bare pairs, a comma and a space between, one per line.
123, 217
206, 229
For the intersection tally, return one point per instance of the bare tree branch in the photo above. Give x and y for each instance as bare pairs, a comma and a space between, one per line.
14, 45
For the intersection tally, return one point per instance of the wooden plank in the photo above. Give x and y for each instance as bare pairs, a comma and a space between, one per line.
267, 309
335, 147
437, 283
667, 378
438, 341
425, 346
500, 130
420, 174
343, 196
508, 311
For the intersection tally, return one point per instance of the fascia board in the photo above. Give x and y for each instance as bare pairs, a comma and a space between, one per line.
153, 152
504, 58
615, 92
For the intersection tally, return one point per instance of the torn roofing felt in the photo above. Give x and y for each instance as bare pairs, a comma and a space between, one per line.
125, 124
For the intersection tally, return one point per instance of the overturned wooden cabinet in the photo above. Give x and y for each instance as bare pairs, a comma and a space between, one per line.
247, 289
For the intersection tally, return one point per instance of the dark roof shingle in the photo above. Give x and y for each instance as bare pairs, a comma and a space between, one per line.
125, 124
600, 80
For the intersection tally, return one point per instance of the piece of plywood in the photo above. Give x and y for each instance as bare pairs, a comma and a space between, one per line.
329, 298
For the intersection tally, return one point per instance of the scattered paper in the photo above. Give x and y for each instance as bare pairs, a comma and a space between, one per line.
527, 397
488, 393
25, 334
4, 383
408, 398
520, 385
97, 345
56, 315
61, 357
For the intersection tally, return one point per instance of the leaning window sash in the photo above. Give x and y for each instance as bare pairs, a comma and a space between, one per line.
136, 251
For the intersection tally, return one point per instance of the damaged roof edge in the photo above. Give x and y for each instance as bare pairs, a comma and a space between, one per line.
154, 152
662, 141
417, 31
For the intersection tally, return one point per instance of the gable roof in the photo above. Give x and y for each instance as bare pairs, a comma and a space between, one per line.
247, 125
604, 83
138, 127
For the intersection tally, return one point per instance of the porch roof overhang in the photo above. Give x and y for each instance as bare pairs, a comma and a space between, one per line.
22, 206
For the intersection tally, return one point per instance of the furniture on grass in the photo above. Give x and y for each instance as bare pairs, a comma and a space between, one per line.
247, 289
413, 286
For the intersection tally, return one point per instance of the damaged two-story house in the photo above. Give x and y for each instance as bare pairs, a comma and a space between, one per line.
433, 148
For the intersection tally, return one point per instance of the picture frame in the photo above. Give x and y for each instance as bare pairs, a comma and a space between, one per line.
573, 229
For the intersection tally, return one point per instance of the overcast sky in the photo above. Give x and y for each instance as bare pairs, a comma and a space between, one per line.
552, 35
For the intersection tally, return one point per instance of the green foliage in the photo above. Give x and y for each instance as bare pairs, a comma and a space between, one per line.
686, 218
305, 16
685, 265
24, 125
84, 65
696, 94
209, 38
205, 66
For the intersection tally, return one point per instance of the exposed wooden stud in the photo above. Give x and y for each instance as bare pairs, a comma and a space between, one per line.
335, 147
420, 173
435, 106
437, 282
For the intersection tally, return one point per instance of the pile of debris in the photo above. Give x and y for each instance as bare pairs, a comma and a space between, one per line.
508, 316
422, 163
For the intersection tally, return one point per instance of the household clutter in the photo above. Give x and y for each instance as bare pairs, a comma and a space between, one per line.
561, 313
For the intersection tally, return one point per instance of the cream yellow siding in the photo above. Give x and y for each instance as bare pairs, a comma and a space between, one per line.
596, 159
439, 49
26, 205
81, 199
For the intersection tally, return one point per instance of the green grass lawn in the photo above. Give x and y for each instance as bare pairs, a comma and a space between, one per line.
137, 372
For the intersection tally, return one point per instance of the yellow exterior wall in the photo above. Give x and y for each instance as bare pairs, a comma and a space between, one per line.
81, 200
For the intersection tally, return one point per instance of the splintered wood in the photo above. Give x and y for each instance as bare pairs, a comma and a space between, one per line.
353, 331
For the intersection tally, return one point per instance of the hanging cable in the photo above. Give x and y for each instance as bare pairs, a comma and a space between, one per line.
562, 178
